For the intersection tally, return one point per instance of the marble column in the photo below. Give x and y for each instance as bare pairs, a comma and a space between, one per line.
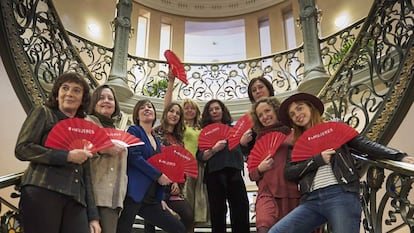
315, 74
118, 74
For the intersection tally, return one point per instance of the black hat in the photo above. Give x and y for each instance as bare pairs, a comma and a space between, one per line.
283, 112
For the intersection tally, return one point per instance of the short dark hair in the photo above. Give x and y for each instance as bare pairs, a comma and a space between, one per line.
96, 95
206, 118
266, 82
70, 77
136, 109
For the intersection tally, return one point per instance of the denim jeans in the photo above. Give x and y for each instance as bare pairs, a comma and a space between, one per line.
342, 210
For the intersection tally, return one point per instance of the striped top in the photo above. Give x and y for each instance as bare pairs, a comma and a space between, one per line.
324, 177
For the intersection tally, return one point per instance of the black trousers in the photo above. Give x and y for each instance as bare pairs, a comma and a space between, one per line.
151, 213
44, 211
183, 209
228, 185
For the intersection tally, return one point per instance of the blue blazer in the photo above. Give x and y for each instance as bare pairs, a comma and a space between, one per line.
140, 173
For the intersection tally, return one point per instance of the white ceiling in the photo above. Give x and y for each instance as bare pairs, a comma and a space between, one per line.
208, 8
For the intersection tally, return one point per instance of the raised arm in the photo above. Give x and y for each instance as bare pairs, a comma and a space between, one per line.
170, 89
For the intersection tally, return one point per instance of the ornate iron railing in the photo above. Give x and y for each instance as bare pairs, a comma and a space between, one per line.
372, 88
226, 81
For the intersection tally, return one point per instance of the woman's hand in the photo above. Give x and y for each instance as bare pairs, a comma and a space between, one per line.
114, 150
246, 138
219, 146
78, 156
163, 180
94, 226
327, 155
175, 189
166, 207
408, 159
171, 77
266, 164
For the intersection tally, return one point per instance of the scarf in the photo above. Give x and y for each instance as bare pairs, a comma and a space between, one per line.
105, 121
279, 127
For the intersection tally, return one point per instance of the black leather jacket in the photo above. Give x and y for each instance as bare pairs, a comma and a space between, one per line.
48, 167
343, 164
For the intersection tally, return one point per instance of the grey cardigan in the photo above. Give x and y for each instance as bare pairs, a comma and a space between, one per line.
109, 178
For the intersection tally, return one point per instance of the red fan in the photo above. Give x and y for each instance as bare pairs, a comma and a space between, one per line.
124, 138
176, 65
211, 134
77, 133
266, 145
188, 160
244, 123
321, 137
175, 161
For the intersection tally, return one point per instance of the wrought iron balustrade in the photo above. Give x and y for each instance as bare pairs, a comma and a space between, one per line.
227, 80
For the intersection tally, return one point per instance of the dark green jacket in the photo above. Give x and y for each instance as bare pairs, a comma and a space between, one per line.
49, 168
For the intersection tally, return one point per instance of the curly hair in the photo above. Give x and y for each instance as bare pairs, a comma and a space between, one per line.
272, 101
70, 77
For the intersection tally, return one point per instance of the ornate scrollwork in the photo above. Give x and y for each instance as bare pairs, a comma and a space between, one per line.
375, 177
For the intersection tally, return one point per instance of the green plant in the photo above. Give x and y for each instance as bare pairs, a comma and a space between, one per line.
157, 87
339, 56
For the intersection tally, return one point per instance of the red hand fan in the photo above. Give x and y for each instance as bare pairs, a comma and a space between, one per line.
124, 138
190, 166
77, 133
211, 134
176, 65
174, 162
266, 145
242, 125
321, 137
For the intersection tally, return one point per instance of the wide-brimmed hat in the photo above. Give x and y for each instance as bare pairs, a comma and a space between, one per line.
283, 112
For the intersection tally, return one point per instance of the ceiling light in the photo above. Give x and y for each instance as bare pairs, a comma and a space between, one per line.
342, 21
94, 30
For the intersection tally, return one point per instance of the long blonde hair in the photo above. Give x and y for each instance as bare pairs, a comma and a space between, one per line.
197, 119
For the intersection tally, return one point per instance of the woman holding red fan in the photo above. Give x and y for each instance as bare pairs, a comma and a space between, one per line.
328, 181
109, 177
171, 133
56, 188
259, 87
223, 175
195, 190
276, 196
145, 192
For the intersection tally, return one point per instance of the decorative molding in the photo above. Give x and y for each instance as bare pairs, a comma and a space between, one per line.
208, 8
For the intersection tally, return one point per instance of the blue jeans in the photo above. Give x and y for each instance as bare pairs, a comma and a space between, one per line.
342, 210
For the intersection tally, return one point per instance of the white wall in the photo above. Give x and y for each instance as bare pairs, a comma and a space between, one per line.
11, 120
